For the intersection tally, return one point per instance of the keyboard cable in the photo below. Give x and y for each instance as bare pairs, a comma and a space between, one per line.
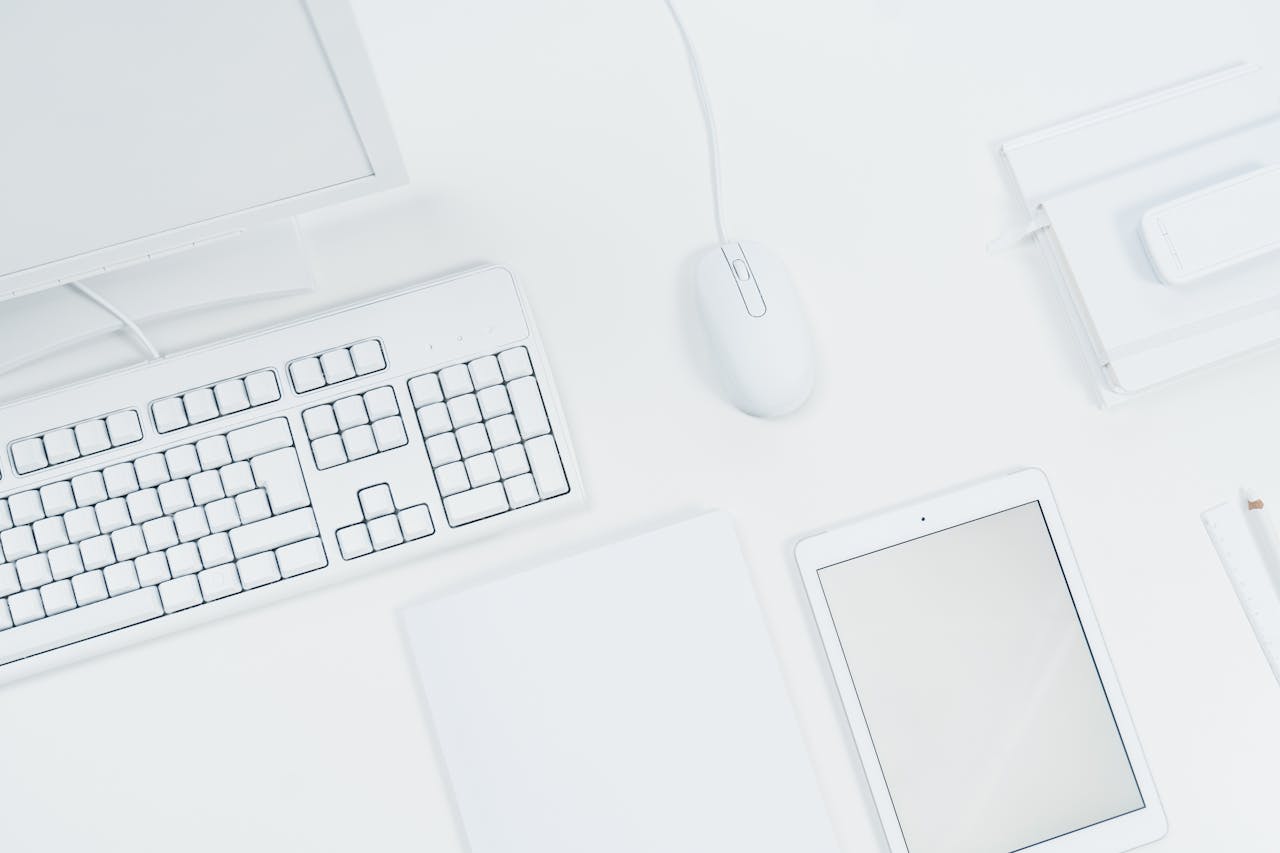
704, 101
130, 326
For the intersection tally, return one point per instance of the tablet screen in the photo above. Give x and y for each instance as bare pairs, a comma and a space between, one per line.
979, 688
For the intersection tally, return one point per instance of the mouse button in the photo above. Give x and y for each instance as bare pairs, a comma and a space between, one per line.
740, 271
752, 297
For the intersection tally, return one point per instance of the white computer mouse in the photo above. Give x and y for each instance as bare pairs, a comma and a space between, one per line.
756, 330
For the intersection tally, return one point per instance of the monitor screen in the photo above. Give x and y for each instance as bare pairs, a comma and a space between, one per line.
136, 117
979, 687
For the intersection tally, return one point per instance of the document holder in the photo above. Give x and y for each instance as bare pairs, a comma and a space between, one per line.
1160, 218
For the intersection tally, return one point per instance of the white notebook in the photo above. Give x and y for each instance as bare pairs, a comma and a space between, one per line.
1245, 560
625, 700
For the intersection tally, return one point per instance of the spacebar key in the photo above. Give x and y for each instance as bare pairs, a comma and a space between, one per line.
82, 623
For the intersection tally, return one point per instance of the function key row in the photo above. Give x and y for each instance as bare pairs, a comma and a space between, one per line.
337, 365
208, 402
76, 441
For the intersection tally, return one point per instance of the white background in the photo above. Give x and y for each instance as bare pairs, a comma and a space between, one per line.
562, 138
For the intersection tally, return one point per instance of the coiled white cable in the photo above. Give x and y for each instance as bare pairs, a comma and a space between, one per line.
704, 101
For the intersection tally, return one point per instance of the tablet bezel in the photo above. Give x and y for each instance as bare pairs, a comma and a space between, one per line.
932, 515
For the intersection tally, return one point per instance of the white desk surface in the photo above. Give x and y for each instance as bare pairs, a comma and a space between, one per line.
562, 138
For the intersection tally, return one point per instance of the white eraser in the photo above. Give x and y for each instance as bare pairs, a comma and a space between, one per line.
1216, 228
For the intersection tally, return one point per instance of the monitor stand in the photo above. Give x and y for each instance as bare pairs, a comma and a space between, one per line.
260, 263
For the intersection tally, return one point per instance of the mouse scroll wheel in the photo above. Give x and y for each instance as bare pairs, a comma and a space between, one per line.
740, 270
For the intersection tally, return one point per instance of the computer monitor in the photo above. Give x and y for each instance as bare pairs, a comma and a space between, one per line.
138, 128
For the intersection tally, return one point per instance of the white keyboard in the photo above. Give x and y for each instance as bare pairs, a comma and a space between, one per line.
227, 477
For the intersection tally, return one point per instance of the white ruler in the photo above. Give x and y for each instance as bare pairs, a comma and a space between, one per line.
1254, 583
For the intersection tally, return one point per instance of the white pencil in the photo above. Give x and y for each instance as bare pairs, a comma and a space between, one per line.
1264, 531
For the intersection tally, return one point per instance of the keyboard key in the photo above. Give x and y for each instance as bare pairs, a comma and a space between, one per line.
434, 419
50, 533
354, 541
548, 471
89, 588
306, 374
350, 412
6, 520
120, 479
191, 524
389, 434
258, 570
169, 414
182, 461
425, 390
482, 470
380, 403
81, 524
262, 387
452, 478
96, 553
206, 487
56, 498
28, 456
464, 410
219, 582
521, 491
494, 402
280, 473
175, 496
215, 550
92, 437
183, 559
178, 594
34, 571
124, 428
301, 557
76, 625
112, 515
57, 597
60, 446
144, 505
8, 579
503, 431
255, 440
150, 568
89, 489
375, 501
237, 478
512, 461
5, 620
122, 577
160, 534
128, 543
17, 542
385, 533
475, 504
26, 507
231, 396
200, 405
526, 401
472, 440
151, 470
24, 607
367, 357
358, 442
443, 449
329, 451
213, 452
515, 363
415, 522
485, 372
337, 366
222, 515
319, 421
455, 380
274, 532
253, 506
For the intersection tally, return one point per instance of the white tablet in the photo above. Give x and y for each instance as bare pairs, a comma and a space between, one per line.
975, 678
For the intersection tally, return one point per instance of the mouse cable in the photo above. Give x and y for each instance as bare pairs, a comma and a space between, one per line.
704, 101
130, 326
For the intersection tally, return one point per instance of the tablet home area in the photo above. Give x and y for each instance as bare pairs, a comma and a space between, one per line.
975, 678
